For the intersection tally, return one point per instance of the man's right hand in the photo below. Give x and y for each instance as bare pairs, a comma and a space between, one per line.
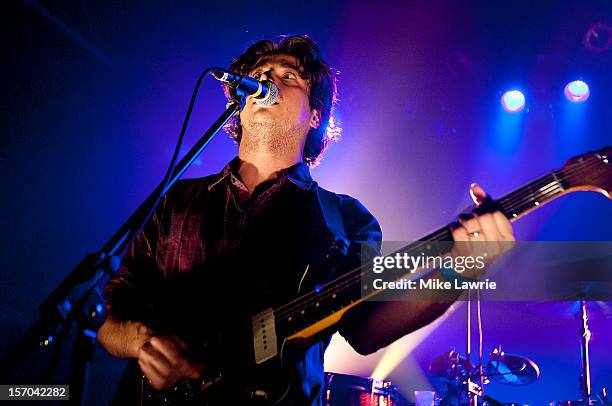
162, 361
160, 358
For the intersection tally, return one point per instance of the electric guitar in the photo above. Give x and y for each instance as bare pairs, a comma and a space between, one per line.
318, 312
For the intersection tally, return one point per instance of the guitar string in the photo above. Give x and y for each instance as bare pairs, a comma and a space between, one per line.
506, 205
570, 171
530, 192
342, 281
511, 206
562, 178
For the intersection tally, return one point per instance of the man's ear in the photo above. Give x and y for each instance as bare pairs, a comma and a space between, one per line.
315, 119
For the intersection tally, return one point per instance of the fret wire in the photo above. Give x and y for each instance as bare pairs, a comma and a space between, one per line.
536, 198
512, 201
526, 206
526, 191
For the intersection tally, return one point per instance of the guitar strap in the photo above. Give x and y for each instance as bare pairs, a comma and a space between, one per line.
332, 212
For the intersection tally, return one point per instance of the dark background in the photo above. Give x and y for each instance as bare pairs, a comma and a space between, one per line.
94, 93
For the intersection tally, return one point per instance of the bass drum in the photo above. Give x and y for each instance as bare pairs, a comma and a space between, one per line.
349, 390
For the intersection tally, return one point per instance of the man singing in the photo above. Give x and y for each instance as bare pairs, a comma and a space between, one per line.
259, 233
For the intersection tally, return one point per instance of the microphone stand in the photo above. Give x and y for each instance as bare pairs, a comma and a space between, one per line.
66, 304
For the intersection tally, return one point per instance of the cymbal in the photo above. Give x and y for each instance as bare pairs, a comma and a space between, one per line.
512, 369
570, 310
450, 366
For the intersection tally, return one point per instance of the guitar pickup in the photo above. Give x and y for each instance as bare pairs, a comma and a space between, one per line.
264, 336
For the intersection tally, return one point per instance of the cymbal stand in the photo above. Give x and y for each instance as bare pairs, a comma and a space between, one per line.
585, 337
474, 388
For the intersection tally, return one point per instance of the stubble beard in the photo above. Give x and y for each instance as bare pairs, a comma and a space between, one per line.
272, 136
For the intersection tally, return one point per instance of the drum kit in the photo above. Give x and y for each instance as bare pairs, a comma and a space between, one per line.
463, 379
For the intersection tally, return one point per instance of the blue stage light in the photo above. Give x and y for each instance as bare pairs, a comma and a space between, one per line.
577, 91
513, 101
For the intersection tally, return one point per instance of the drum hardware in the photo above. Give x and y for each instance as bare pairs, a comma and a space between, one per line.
511, 369
451, 366
457, 372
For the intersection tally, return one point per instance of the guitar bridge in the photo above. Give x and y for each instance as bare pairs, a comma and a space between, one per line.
264, 336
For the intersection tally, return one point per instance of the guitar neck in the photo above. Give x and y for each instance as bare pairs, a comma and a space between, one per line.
320, 309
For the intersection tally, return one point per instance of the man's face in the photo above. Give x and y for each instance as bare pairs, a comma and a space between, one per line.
290, 118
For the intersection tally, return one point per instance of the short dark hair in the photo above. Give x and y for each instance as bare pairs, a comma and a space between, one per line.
322, 80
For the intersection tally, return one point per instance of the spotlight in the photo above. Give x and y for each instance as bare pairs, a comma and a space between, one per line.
598, 38
577, 91
513, 101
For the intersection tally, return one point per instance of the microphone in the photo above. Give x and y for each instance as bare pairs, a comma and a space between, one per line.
264, 93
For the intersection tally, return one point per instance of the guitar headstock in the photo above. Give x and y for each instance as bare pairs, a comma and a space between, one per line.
591, 171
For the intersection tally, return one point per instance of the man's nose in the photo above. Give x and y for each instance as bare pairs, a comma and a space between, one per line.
265, 76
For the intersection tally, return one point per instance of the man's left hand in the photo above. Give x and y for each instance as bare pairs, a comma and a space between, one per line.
492, 232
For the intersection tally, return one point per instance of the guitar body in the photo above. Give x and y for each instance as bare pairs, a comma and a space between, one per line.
225, 345
221, 333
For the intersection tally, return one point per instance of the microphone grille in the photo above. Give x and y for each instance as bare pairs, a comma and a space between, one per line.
270, 97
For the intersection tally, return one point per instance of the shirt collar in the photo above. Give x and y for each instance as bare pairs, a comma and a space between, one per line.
298, 174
